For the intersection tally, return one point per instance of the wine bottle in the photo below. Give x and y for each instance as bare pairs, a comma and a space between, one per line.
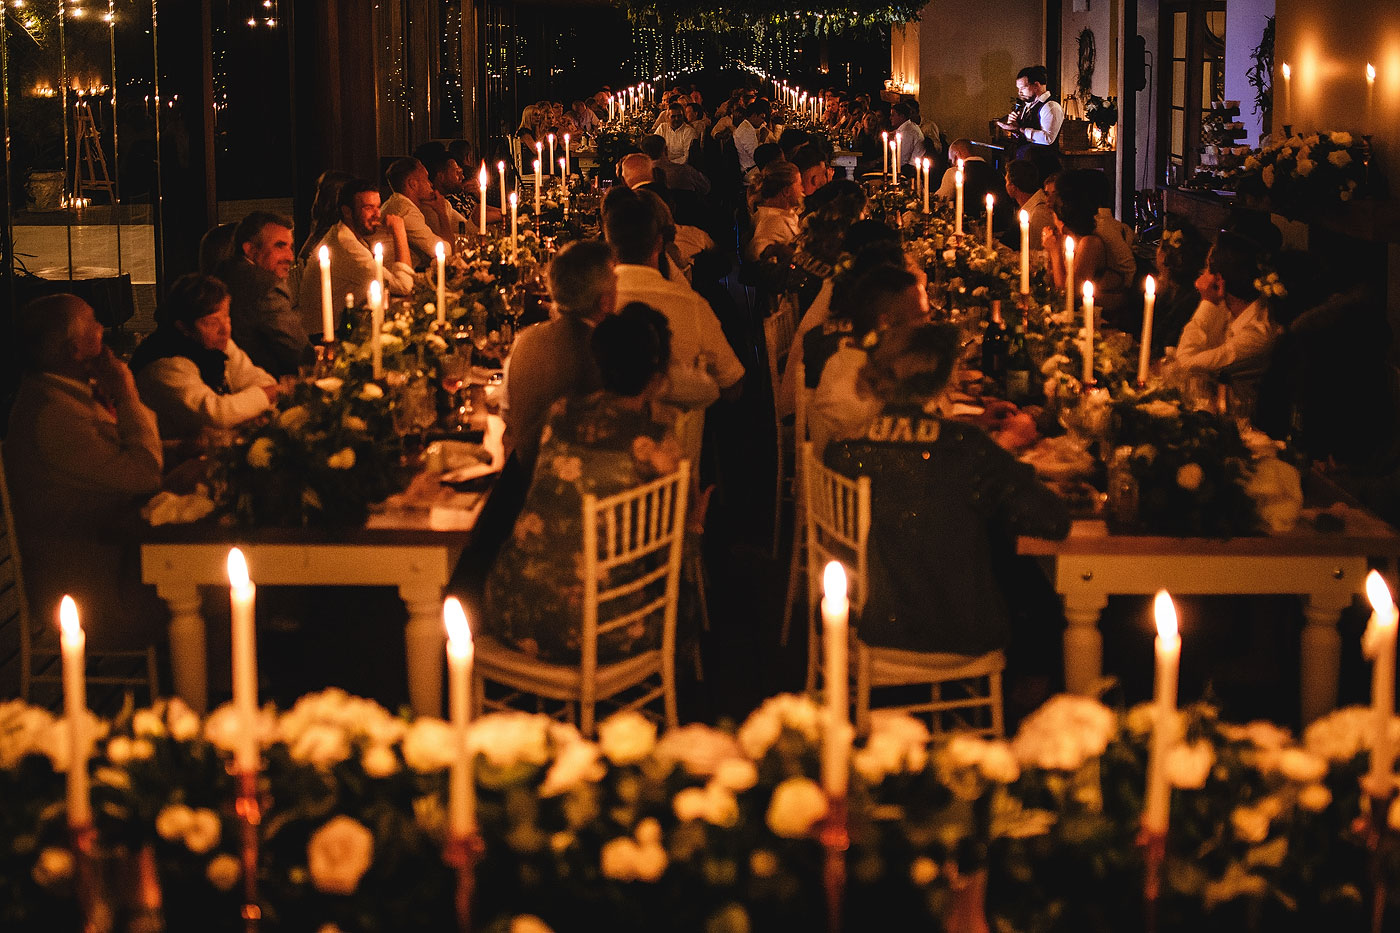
462, 245
350, 318
994, 347
1020, 387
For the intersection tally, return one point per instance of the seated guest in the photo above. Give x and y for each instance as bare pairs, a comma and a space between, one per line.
456, 204
413, 198
680, 136
775, 220
1181, 254
947, 486
888, 297
1076, 207
325, 211
190, 372
974, 166
679, 176
584, 118
868, 139
603, 443
351, 245
814, 168
695, 116
551, 360
1231, 333
638, 171
265, 322
1024, 187
751, 132
81, 452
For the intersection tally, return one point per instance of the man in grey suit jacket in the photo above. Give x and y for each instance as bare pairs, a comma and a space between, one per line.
266, 324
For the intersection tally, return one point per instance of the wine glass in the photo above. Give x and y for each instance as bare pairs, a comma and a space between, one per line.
456, 367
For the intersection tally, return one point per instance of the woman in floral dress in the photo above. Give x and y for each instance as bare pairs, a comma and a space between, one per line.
603, 444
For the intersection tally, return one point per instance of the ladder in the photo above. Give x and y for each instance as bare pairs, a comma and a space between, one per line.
91, 174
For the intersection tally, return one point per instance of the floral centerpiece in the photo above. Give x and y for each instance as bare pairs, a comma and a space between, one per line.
1305, 173
328, 454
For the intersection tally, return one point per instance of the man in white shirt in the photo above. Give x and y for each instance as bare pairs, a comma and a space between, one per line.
749, 135
1024, 187
680, 136
1231, 332
1039, 118
352, 255
960, 151
703, 365
911, 138
413, 197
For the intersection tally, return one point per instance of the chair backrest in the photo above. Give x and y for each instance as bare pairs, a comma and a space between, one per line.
514, 142
14, 606
632, 544
779, 329
838, 526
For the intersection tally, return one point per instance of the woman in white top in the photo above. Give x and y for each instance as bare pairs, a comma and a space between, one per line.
779, 202
191, 373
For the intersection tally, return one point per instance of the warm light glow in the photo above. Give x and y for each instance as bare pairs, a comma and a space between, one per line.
1069, 246
539, 147
481, 177
376, 293
501, 168
958, 177
960, 165
1164, 611
459, 633
1379, 595
1088, 291
1287, 72
834, 582
1149, 286
990, 200
1025, 218
325, 254
440, 250
379, 252
68, 622
237, 570
514, 198
1370, 72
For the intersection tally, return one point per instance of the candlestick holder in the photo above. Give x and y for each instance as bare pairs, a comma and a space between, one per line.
463, 853
249, 810
325, 356
149, 900
1378, 839
1154, 854
96, 911
835, 839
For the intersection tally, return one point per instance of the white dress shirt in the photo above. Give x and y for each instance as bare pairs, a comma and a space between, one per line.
911, 142
1211, 341
678, 141
771, 225
1050, 117
185, 405
352, 269
745, 142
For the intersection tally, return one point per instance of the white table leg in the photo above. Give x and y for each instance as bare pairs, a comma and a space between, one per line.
1322, 653
187, 654
1083, 641
424, 643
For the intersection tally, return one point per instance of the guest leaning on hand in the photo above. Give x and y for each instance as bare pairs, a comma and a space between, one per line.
189, 370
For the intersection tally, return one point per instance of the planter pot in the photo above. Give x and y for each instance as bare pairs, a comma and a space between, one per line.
46, 190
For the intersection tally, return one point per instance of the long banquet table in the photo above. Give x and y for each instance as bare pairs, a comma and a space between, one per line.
1327, 569
410, 547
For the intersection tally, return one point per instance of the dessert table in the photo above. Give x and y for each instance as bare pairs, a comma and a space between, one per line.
1327, 569
412, 543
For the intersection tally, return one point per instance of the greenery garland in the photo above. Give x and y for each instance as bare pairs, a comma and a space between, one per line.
814, 19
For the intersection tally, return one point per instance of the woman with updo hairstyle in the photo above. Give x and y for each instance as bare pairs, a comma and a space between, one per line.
1181, 254
947, 486
775, 220
603, 443
1075, 203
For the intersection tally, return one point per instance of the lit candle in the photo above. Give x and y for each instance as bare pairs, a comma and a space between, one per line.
894, 161
1370, 96
376, 327
990, 201
550, 137
481, 184
461, 800
564, 188
1149, 301
441, 252
327, 308
539, 182
927, 166
1378, 643
72, 642
1168, 649
1069, 275
379, 264
885, 153
501, 174
1088, 333
898, 157
1287, 95
514, 226
245, 661
836, 751
566, 155
958, 201
1025, 253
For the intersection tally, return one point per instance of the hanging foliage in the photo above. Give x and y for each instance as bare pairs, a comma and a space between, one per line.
815, 18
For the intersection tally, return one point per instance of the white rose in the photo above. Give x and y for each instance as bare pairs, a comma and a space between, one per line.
338, 855
763, 863
1190, 476
512, 738
260, 453
293, 419
204, 831
1305, 166
1301, 766
330, 384
147, 724
1315, 798
1188, 766
174, 821
343, 459
999, 763
24, 730
1251, 824
379, 761
736, 775
1342, 139
322, 746
618, 858
1159, 408
369, 391
182, 721
626, 738
352, 423
651, 862
223, 872
428, 745
576, 763
690, 804
119, 750
224, 727
965, 751
698, 748
1340, 735
923, 871
797, 804
53, 866
721, 809
648, 832
1339, 158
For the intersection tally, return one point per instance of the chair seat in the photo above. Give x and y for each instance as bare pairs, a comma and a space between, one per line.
500, 663
896, 667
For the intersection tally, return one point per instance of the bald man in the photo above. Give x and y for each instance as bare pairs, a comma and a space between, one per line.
637, 170
81, 454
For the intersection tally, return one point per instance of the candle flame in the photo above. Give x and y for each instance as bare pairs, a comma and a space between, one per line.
537, 166
1069, 246
68, 618
1149, 286
1370, 72
1287, 72
550, 137
1025, 218
1379, 595
376, 293
237, 569
454, 618
1088, 291
440, 250
1164, 611
481, 176
958, 178
539, 146
990, 200
501, 167
325, 253
960, 164
564, 164
834, 582
514, 197
379, 251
